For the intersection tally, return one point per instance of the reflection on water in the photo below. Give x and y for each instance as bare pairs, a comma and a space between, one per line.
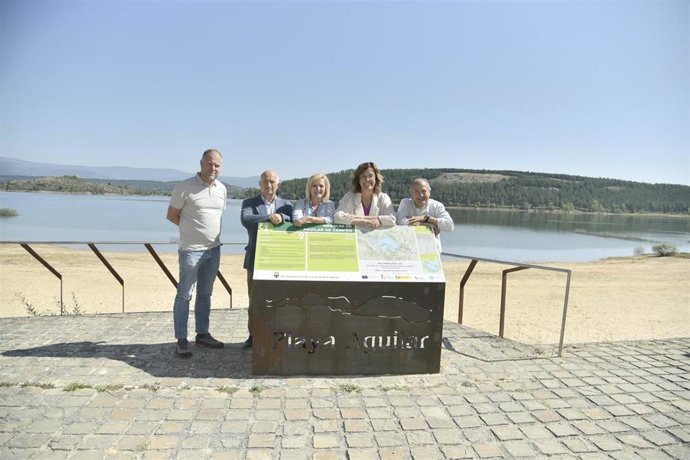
586, 223
541, 237
506, 235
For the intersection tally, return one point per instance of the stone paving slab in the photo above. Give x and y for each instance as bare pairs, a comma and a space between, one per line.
109, 386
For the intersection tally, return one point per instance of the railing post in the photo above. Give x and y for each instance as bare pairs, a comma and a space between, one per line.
461, 299
50, 268
111, 269
160, 264
565, 311
225, 285
504, 283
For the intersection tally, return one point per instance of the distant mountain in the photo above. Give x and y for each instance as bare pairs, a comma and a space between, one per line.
15, 167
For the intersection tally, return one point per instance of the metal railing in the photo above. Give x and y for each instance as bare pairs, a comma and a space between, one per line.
149, 247
504, 283
92, 245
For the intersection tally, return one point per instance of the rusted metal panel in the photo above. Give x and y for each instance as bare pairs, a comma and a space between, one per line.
346, 328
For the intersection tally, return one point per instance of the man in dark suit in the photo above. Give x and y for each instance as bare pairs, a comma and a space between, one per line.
266, 207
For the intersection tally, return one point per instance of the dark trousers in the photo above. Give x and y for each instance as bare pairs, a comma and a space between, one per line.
250, 291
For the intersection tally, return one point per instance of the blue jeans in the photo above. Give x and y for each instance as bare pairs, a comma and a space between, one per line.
200, 268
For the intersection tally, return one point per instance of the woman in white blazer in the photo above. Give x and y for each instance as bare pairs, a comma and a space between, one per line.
366, 205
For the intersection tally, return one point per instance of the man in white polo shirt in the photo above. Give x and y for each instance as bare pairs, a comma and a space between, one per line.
196, 206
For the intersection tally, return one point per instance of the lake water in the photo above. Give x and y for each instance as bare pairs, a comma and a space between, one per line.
506, 235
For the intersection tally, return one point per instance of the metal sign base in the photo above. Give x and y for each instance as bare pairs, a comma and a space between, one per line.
346, 328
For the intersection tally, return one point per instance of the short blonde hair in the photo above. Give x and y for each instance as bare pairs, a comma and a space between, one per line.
313, 178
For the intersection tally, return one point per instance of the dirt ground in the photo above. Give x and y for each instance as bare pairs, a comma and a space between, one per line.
615, 299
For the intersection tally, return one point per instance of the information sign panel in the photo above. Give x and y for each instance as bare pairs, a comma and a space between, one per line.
332, 299
343, 253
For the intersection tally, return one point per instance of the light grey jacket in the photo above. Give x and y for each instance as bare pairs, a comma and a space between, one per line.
350, 206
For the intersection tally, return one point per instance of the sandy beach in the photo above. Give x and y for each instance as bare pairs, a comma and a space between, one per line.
633, 298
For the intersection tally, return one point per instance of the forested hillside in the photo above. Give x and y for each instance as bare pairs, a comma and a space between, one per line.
454, 187
75, 184
522, 190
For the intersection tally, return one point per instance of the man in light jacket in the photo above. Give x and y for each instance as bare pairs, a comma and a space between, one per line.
420, 209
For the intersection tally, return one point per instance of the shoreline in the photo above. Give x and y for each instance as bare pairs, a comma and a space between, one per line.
458, 207
620, 298
574, 212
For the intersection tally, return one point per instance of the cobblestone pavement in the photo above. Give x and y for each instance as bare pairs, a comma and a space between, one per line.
109, 386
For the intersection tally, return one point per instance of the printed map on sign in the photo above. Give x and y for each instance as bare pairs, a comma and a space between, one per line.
386, 245
344, 253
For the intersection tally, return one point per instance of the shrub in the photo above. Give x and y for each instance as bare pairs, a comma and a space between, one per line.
350, 388
256, 390
227, 389
108, 388
8, 212
74, 386
664, 250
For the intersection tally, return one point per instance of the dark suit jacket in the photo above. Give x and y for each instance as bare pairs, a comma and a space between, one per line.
253, 212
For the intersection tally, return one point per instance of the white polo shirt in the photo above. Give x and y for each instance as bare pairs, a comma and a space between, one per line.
201, 208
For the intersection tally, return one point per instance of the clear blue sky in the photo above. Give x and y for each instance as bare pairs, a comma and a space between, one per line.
594, 88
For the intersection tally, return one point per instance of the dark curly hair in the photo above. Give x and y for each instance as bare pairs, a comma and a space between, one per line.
360, 169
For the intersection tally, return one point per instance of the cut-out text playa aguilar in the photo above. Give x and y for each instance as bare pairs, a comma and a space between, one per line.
366, 344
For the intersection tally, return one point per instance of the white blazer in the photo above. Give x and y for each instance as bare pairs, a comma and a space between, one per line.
350, 206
